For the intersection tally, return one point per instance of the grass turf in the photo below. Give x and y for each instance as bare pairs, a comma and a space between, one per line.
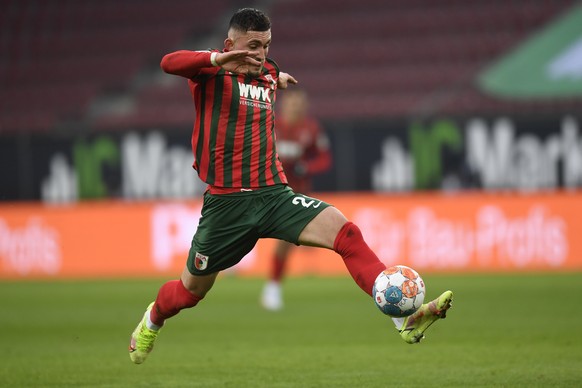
504, 330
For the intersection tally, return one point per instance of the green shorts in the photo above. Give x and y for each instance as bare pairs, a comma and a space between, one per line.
231, 224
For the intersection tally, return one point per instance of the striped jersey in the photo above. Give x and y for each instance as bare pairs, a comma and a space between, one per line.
233, 140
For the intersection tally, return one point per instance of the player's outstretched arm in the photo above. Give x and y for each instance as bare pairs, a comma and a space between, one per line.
189, 63
186, 63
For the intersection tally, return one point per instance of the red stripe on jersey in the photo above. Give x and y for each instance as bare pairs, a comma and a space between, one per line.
196, 131
206, 127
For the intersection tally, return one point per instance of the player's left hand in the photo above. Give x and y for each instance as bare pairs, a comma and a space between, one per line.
285, 79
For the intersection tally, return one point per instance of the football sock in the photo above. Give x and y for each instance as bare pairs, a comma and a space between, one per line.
363, 264
398, 322
172, 298
278, 268
150, 325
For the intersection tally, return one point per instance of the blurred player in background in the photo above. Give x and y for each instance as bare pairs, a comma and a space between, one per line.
248, 198
303, 148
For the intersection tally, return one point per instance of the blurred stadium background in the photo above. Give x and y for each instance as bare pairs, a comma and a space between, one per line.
417, 96
455, 130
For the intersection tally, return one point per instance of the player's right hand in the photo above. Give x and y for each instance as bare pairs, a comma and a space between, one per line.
240, 61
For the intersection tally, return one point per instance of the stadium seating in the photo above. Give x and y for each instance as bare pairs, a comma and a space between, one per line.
383, 58
375, 59
59, 56
396, 58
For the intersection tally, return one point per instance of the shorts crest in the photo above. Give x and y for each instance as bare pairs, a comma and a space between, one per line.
200, 261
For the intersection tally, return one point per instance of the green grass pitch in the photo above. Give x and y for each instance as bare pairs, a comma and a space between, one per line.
520, 330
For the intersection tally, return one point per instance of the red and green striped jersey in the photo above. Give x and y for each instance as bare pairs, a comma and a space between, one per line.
233, 139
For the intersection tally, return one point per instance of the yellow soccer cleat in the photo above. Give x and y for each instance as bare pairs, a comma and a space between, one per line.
414, 326
142, 340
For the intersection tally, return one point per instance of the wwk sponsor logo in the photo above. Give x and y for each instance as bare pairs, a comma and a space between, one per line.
255, 96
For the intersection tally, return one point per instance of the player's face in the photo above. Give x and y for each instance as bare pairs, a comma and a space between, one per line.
255, 41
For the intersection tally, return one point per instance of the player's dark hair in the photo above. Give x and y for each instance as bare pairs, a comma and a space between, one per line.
249, 19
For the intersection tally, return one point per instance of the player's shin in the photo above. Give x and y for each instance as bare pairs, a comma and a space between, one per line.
172, 297
361, 262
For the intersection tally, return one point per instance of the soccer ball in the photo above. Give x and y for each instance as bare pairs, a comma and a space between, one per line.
398, 291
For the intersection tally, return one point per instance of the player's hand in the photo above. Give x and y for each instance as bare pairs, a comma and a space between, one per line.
286, 79
240, 61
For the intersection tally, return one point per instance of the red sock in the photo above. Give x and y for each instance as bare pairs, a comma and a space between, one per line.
278, 268
362, 263
172, 298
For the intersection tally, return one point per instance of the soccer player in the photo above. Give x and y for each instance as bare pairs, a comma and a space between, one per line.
303, 148
248, 198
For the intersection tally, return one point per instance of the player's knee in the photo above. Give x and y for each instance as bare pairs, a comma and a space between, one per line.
197, 285
323, 229
348, 236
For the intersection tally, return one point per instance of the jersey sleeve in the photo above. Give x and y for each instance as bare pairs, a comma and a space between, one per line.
186, 63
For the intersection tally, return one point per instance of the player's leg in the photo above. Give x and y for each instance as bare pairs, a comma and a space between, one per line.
272, 294
177, 295
309, 221
222, 239
364, 266
330, 229
173, 296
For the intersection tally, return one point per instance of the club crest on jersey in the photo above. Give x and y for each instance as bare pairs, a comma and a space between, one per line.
200, 261
269, 78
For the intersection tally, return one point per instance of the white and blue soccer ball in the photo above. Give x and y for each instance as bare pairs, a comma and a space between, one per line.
399, 291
